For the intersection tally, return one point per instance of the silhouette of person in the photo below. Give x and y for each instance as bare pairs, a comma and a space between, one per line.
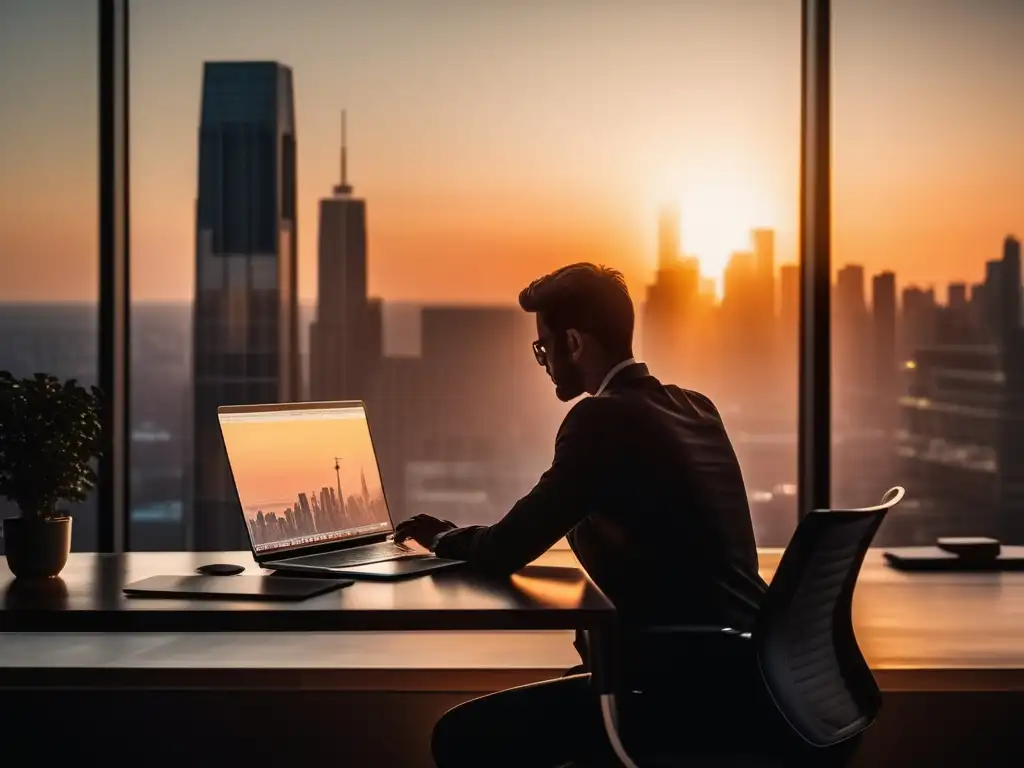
647, 488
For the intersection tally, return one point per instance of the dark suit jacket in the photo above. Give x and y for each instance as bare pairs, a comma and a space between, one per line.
646, 486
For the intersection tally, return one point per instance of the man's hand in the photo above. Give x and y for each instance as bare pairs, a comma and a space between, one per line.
422, 529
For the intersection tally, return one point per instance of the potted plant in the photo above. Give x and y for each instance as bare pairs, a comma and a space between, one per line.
49, 437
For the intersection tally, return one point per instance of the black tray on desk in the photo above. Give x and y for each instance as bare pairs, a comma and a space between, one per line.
935, 559
232, 587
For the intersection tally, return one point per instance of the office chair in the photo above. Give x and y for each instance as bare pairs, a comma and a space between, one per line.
802, 644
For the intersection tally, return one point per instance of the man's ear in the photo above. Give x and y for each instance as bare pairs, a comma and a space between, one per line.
574, 342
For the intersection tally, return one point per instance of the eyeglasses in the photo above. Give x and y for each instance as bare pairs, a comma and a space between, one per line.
540, 353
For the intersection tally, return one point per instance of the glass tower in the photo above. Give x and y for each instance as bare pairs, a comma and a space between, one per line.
245, 315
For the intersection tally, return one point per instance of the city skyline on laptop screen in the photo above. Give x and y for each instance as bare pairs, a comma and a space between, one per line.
305, 476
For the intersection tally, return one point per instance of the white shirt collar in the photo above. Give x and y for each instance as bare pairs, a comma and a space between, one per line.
611, 374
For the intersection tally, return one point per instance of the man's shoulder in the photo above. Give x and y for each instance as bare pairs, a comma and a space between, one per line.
591, 413
591, 407
692, 397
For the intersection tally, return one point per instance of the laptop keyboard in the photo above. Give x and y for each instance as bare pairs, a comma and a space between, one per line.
370, 553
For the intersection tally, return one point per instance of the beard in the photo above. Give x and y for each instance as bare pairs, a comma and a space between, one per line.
568, 381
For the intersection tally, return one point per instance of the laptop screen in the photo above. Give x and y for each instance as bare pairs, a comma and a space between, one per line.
306, 475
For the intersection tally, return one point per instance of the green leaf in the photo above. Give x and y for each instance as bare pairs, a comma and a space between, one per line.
49, 441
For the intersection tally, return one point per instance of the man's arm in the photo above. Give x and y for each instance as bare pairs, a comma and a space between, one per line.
562, 498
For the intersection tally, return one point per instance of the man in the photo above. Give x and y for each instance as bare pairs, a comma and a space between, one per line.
646, 487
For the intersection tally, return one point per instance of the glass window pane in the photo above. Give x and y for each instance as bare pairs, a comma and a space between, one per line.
927, 356
49, 202
485, 145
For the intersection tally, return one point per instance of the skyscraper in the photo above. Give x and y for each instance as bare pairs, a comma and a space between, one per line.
1010, 301
883, 320
850, 301
739, 293
341, 345
956, 296
919, 321
671, 300
849, 314
764, 256
245, 315
787, 334
993, 295
745, 330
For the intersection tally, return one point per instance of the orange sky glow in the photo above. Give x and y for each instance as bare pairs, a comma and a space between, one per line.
494, 142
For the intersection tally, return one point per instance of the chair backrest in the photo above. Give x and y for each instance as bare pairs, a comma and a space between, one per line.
806, 647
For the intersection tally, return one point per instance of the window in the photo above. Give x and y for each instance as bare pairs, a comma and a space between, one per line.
431, 159
49, 200
928, 215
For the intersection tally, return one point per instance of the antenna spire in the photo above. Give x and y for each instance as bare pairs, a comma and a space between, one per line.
344, 151
343, 187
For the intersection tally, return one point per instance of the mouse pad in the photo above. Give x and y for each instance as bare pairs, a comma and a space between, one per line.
232, 587
935, 559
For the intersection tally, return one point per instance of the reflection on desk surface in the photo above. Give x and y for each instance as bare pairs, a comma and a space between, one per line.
903, 620
551, 584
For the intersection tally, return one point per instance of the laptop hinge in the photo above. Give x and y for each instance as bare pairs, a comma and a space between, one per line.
332, 546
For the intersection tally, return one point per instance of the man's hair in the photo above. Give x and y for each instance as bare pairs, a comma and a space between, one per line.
592, 299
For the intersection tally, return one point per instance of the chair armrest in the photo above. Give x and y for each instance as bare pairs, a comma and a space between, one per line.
604, 648
693, 629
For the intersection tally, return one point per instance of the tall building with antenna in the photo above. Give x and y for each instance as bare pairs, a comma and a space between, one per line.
342, 339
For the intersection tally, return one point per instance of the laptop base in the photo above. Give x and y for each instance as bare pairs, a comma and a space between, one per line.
386, 570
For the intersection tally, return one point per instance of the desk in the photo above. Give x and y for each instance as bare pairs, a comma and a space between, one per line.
945, 648
926, 630
87, 597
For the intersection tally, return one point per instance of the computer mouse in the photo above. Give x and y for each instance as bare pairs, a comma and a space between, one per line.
220, 569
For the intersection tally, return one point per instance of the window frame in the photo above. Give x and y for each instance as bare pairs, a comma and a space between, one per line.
113, 482
814, 360
814, 405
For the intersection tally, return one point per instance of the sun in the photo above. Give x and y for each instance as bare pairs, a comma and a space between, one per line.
717, 213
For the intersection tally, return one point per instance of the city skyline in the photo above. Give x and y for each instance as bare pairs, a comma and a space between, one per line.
919, 189
317, 516
275, 460
429, 425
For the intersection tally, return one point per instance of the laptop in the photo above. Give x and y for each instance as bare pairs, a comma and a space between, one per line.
311, 492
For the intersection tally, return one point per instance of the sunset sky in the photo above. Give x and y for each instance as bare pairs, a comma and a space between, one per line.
497, 140
273, 464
